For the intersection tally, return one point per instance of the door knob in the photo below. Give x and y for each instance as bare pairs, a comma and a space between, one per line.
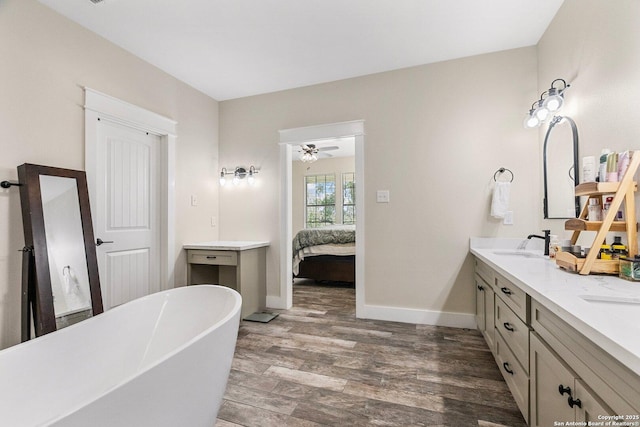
99, 241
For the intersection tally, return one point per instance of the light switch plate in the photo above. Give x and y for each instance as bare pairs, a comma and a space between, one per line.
382, 196
194, 200
508, 218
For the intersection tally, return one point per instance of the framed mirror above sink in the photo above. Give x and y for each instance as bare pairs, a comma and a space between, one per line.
560, 164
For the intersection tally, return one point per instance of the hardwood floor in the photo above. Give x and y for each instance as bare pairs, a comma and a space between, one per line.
316, 364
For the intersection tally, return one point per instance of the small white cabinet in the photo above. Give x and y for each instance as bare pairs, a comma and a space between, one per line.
240, 265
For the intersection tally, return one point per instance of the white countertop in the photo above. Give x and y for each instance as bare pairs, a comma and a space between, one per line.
227, 245
615, 326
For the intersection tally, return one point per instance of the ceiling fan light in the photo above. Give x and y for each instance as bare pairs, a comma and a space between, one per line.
308, 157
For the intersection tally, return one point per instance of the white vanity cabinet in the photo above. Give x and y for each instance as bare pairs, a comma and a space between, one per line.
554, 372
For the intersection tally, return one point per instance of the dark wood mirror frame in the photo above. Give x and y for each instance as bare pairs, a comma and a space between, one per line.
37, 294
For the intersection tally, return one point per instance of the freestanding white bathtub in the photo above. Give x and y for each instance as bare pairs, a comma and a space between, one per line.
161, 360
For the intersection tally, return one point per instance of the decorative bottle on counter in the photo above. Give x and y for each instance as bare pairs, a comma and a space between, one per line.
595, 210
618, 249
605, 251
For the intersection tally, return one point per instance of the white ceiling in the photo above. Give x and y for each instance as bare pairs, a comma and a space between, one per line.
235, 48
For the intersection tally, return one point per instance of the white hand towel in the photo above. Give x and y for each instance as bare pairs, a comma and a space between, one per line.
500, 201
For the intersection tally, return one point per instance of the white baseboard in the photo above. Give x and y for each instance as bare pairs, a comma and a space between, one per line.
417, 316
277, 302
399, 314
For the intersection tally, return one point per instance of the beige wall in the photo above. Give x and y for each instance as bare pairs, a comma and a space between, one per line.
46, 60
435, 135
299, 170
596, 47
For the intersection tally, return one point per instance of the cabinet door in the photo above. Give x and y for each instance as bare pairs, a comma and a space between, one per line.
552, 384
590, 405
480, 303
489, 316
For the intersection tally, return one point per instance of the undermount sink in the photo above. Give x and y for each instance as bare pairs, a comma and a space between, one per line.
620, 305
519, 253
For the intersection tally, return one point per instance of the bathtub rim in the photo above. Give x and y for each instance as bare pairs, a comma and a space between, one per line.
235, 311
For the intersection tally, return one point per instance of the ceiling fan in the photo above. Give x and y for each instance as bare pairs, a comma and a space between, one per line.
309, 153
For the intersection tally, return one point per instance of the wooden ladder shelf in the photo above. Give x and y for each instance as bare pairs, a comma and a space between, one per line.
623, 191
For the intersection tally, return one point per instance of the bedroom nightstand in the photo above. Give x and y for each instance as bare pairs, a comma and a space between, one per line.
240, 265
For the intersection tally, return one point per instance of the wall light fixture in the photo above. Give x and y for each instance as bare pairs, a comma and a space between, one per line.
550, 102
239, 173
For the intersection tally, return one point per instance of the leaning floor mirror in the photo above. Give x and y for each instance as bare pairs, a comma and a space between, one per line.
60, 284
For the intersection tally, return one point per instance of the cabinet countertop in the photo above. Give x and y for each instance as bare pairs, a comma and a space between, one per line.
605, 309
227, 245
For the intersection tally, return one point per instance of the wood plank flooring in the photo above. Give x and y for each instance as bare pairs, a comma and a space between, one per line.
316, 364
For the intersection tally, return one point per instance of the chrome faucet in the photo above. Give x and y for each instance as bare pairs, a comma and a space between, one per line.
546, 239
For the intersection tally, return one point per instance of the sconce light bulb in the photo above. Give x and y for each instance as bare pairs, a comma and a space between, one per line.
553, 103
223, 180
236, 180
531, 121
542, 113
251, 179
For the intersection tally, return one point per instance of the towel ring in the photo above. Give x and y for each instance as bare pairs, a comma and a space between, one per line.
501, 171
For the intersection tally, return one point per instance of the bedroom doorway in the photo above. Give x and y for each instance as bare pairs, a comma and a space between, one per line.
320, 137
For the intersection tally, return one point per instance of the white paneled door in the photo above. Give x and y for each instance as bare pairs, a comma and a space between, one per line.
127, 212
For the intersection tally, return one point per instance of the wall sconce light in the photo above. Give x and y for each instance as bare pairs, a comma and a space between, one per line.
239, 173
549, 103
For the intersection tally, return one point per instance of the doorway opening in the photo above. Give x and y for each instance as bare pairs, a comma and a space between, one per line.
290, 146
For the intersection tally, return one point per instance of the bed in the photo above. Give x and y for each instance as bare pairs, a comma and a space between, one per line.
326, 253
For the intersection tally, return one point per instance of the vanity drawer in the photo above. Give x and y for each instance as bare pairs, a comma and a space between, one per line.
514, 332
485, 272
514, 375
513, 296
196, 256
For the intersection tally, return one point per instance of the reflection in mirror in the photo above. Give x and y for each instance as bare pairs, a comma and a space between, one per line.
65, 250
60, 284
560, 169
